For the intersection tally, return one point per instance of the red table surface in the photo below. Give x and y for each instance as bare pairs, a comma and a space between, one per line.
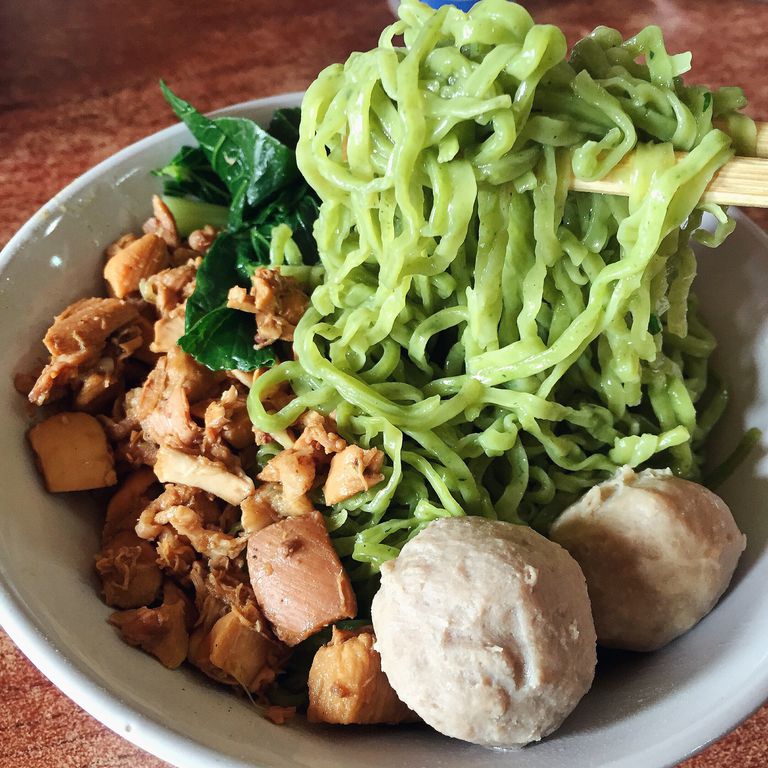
78, 81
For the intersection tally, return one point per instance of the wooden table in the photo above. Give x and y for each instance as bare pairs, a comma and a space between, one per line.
78, 80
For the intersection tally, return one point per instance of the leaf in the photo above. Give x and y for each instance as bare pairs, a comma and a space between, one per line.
224, 340
217, 274
284, 126
252, 164
297, 207
190, 174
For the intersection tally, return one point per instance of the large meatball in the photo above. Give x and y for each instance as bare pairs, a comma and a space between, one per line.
485, 631
657, 552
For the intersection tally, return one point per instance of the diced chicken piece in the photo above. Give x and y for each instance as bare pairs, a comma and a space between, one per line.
228, 417
202, 239
160, 631
162, 224
185, 372
169, 423
239, 651
298, 579
138, 260
99, 385
72, 453
240, 299
294, 469
269, 502
167, 331
175, 555
255, 514
347, 686
119, 244
210, 543
352, 471
278, 303
206, 506
170, 288
319, 433
174, 466
128, 501
77, 339
129, 575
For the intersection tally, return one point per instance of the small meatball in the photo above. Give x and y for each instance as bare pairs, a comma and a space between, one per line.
485, 631
347, 686
657, 552
130, 265
160, 631
298, 579
72, 453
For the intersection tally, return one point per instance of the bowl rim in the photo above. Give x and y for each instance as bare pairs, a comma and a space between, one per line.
106, 705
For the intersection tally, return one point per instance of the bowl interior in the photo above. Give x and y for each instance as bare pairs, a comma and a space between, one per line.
644, 710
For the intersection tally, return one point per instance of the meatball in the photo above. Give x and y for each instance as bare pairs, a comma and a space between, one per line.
485, 631
657, 552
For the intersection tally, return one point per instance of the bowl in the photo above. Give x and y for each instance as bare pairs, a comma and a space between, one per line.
644, 711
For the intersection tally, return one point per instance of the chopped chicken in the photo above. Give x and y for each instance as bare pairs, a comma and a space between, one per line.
228, 580
175, 555
170, 288
169, 422
269, 502
173, 466
202, 239
228, 418
162, 224
119, 244
129, 575
294, 469
210, 543
352, 471
347, 686
251, 658
160, 631
128, 501
76, 340
298, 579
177, 495
72, 452
278, 303
256, 514
130, 265
168, 330
319, 433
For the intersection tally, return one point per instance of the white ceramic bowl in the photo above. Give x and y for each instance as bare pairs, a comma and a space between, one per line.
643, 712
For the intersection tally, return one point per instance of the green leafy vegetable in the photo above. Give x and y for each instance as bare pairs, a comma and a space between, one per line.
251, 163
253, 173
284, 126
216, 336
190, 174
223, 340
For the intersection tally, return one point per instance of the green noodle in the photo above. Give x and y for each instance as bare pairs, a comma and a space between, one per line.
507, 343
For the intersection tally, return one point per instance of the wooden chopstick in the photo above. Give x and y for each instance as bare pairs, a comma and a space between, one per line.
741, 181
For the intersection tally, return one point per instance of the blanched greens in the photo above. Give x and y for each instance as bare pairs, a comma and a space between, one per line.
244, 179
